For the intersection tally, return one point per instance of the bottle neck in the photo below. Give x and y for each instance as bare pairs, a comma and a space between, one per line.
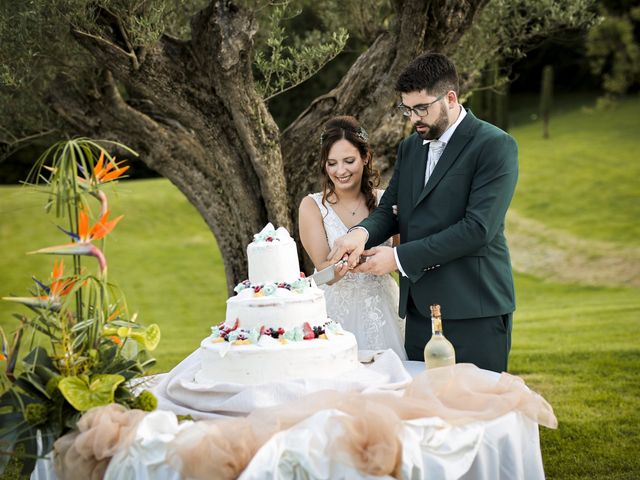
436, 325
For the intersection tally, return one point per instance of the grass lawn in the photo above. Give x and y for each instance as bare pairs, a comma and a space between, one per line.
577, 346
584, 178
162, 256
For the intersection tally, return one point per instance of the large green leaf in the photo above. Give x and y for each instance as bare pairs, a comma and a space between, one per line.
32, 384
83, 395
38, 356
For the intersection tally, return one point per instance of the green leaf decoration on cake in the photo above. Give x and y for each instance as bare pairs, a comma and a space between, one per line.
83, 394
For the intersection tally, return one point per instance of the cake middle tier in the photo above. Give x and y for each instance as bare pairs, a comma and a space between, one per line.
285, 308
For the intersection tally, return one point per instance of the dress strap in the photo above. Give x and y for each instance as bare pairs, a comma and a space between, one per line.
317, 197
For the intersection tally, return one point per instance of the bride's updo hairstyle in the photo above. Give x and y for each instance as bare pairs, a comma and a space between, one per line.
348, 128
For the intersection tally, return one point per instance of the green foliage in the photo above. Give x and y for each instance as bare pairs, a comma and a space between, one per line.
283, 65
36, 46
80, 318
36, 413
14, 470
146, 401
613, 50
84, 393
490, 102
506, 29
284, 57
364, 20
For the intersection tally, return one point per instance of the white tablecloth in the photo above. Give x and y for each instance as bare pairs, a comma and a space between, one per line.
504, 448
177, 391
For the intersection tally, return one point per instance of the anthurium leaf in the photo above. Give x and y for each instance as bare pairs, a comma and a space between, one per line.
83, 395
149, 337
129, 349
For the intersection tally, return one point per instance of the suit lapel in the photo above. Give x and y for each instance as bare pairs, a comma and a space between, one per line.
458, 141
418, 168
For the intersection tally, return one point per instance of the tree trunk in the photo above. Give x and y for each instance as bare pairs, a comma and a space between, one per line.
367, 90
190, 109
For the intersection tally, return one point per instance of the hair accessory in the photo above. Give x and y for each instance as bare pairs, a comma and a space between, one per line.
360, 132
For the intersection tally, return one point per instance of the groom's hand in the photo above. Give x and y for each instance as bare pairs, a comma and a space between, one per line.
379, 261
351, 244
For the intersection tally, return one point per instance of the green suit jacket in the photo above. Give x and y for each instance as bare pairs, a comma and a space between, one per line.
453, 247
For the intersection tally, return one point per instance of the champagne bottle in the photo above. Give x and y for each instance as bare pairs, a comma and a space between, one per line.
438, 352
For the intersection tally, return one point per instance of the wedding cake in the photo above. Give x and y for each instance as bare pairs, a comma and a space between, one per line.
276, 326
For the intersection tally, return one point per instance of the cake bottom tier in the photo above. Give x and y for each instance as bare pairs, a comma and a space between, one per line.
254, 364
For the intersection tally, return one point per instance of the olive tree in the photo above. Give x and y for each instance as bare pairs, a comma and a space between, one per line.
187, 85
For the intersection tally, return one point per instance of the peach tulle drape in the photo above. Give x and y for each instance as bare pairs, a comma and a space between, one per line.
85, 453
372, 422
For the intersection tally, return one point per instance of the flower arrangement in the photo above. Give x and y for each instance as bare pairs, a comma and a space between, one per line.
84, 348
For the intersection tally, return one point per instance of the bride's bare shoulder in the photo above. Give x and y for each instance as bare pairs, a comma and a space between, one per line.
309, 206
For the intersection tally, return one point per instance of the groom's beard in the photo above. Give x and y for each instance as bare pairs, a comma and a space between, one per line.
437, 128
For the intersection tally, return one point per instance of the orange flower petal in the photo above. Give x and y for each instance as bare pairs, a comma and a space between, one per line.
65, 286
58, 269
115, 174
98, 167
83, 225
114, 315
103, 227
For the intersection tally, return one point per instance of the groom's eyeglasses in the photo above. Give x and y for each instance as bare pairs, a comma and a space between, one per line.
419, 110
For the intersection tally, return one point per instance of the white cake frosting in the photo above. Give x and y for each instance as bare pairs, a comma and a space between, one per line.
284, 308
273, 257
270, 361
276, 327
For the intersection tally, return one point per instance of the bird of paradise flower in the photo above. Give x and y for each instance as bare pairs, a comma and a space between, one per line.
54, 293
102, 172
81, 244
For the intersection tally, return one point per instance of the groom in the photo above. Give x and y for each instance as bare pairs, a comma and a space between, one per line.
452, 184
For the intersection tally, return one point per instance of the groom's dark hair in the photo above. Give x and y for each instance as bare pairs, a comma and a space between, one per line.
433, 72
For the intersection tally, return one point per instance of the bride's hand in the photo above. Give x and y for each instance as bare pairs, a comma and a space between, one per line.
342, 267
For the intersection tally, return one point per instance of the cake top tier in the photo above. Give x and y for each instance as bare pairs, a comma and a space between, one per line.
273, 256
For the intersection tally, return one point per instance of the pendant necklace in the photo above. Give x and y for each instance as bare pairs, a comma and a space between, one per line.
353, 212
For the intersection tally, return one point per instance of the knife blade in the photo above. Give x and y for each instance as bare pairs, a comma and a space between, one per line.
326, 274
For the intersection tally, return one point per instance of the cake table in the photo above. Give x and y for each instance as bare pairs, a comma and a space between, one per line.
505, 447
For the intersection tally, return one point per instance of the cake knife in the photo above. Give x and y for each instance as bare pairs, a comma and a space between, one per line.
326, 274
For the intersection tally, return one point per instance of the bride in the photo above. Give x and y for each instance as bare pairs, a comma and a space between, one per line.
363, 303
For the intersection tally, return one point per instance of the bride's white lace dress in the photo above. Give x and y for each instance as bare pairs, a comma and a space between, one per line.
363, 303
